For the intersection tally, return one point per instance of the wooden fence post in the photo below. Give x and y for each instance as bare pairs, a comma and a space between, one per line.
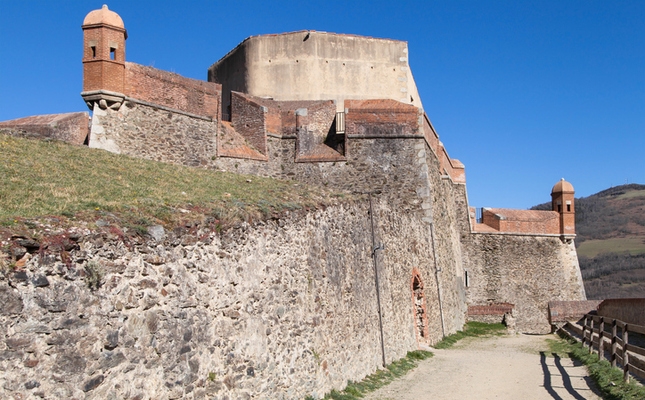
601, 342
613, 342
625, 354
584, 330
590, 335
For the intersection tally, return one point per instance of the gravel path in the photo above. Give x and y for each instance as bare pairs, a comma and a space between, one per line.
504, 367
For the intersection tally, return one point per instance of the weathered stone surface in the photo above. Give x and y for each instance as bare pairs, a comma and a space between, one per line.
10, 299
93, 383
277, 310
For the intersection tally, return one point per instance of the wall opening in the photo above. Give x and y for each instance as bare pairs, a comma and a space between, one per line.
112, 53
93, 49
419, 308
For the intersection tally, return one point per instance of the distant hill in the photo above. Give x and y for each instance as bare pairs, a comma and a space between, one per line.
610, 228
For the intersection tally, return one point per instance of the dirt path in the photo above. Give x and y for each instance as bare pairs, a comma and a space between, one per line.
506, 367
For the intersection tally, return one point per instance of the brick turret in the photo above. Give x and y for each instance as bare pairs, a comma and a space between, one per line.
104, 38
563, 203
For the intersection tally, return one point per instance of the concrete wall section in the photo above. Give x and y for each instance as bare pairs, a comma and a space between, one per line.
279, 310
527, 271
309, 65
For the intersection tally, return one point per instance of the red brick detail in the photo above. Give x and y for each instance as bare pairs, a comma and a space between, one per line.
506, 220
247, 118
100, 72
381, 118
449, 166
419, 308
312, 131
563, 311
70, 127
631, 311
491, 309
172, 90
280, 117
232, 144
563, 202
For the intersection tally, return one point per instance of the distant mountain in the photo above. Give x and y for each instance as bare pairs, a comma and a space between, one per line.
610, 229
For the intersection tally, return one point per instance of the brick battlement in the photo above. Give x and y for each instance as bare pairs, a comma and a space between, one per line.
172, 90
504, 220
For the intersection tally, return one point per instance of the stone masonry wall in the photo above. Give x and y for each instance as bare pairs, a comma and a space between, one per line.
146, 132
279, 310
527, 271
445, 198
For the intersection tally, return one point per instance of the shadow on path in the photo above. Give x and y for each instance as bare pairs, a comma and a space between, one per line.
566, 379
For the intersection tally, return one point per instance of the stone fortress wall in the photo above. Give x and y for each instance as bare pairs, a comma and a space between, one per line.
279, 310
283, 309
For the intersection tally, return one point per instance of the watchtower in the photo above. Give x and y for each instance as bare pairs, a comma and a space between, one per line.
562, 201
104, 38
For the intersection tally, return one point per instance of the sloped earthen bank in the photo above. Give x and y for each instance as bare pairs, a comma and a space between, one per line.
282, 309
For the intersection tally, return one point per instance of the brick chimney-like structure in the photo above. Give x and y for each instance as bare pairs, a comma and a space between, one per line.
104, 38
563, 202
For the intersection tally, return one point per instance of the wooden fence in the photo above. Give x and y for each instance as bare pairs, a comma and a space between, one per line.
595, 334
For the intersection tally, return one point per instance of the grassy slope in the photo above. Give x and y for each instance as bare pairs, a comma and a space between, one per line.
631, 245
39, 179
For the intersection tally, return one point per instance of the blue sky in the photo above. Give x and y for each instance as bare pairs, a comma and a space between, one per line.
522, 92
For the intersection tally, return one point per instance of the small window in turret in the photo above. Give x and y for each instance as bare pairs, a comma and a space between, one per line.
112, 53
568, 207
93, 49
559, 207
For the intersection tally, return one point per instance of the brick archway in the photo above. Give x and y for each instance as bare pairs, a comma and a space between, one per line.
419, 310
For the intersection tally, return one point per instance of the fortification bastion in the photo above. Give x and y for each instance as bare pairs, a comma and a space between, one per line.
286, 308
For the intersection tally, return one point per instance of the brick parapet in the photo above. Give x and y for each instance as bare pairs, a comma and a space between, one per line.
315, 129
452, 168
381, 119
563, 311
69, 127
527, 222
248, 119
631, 311
490, 309
172, 90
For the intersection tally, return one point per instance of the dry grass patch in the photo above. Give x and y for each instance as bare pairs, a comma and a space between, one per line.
48, 178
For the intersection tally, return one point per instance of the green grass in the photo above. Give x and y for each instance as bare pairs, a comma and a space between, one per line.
472, 329
382, 377
49, 178
632, 194
632, 245
609, 380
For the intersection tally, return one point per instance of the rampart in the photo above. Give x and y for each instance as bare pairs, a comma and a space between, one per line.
527, 271
282, 309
